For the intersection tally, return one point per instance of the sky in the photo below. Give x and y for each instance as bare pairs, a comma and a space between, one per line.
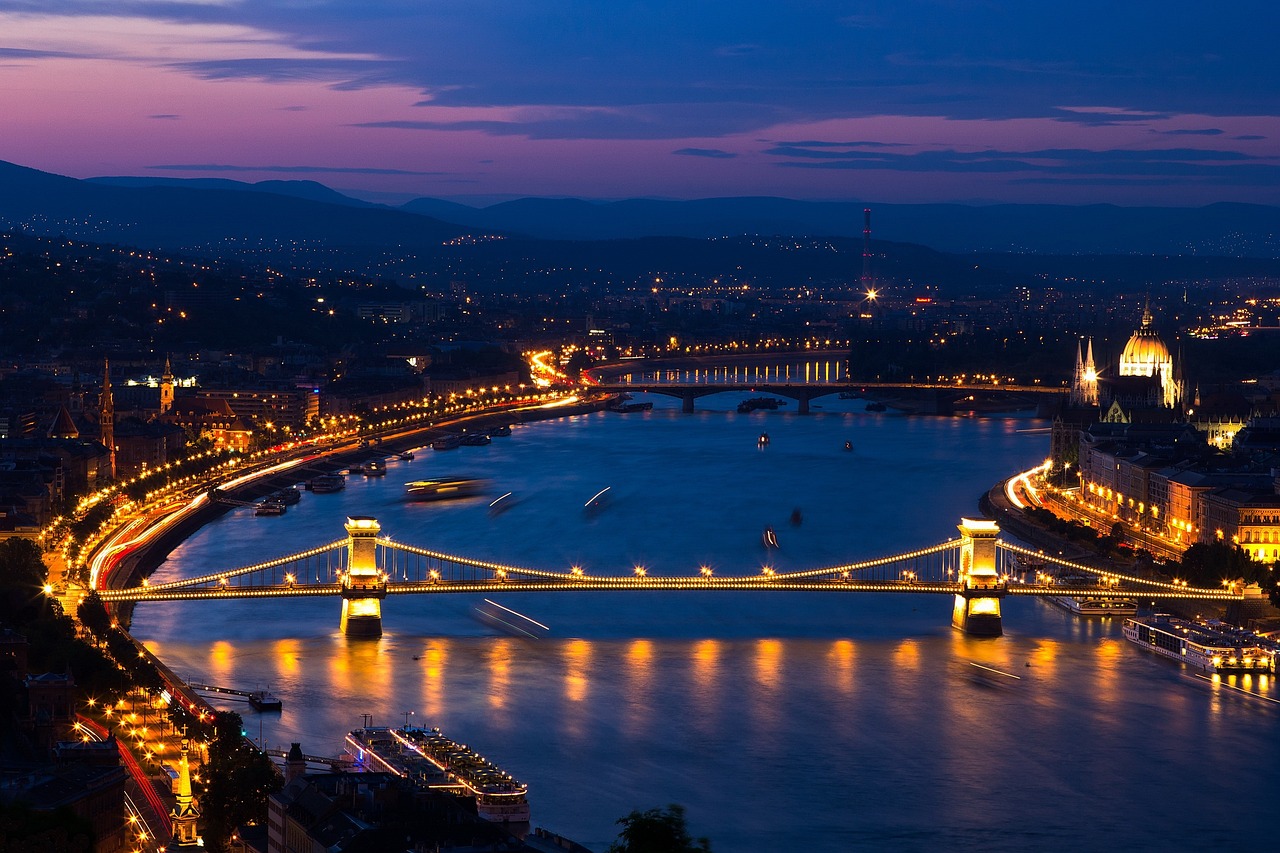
1128, 102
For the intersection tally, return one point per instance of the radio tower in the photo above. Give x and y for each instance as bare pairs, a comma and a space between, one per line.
867, 282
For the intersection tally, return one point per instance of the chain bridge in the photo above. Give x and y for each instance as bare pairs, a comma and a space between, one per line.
978, 569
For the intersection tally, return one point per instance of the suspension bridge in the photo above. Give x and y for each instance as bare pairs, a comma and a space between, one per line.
978, 569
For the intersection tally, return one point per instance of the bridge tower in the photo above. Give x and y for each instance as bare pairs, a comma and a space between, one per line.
363, 586
185, 811
977, 607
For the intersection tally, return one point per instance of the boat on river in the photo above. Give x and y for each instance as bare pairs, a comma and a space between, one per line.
269, 507
447, 442
327, 483
1199, 645
769, 538
430, 760
444, 489
374, 468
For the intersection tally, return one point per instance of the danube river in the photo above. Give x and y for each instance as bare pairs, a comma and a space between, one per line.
782, 721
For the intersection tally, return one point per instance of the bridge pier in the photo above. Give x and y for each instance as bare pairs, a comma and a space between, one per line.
804, 406
977, 605
363, 586
686, 402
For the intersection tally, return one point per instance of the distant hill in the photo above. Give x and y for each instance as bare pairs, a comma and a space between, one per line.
1228, 230
182, 216
312, 190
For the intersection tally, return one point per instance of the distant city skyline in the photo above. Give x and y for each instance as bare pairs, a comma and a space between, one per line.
906, 101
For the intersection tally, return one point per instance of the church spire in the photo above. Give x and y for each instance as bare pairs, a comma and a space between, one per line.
185, 811
107, 417
166, 388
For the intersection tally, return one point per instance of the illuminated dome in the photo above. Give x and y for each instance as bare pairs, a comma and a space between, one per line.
1145, 353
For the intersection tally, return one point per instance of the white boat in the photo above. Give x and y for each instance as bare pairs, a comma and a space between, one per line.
1096, 605
374, 468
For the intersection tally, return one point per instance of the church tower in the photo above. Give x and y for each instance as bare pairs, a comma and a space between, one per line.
1084, 385
166, 388
185, 811
107, 417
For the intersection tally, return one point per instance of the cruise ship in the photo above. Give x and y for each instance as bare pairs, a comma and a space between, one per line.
1198, 645
431, 760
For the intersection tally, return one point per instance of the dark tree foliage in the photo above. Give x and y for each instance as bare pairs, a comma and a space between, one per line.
1212, 563
239, 780
93, 615
657, 831
22, 576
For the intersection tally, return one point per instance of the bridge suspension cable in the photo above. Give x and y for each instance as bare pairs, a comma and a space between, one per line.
1106, 573
217, 577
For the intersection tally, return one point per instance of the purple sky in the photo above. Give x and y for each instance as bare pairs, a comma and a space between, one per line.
1130, 102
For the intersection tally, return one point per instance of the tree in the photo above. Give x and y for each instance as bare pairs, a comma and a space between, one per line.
1208, 564
657, 831
240, 779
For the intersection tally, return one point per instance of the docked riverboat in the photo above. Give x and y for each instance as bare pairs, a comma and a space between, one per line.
1197, 645
269, 507
327, 483
374, 468
447, 442
1096, 605
428, 758
288, 496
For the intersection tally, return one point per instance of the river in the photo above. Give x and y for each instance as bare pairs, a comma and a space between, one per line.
781, 721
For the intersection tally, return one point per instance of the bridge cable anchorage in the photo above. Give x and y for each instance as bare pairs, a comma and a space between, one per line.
1188, 592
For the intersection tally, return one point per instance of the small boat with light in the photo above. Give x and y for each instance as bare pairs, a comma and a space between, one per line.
501, 431
763, 440
769, 538
475, 439
374, 468
269, 507
447, 442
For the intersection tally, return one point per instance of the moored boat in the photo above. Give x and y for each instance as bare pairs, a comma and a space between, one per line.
475, 439
287, 496
326, 483
269, 507
447, 442
501, 431
1198, 645
374, 468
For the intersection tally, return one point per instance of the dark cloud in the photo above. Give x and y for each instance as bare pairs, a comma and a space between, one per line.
713, 153
334, 170
165, 116
343, 74
294, 109
1060, 165
1201, 131
1250, 136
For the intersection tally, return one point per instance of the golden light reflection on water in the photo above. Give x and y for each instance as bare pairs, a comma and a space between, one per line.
433, 660
841, 658
577, 655
906, 655
1044, 658
639, 673
1108, 684
286, 657
706, 675
769, 663
499, 655
220, 666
